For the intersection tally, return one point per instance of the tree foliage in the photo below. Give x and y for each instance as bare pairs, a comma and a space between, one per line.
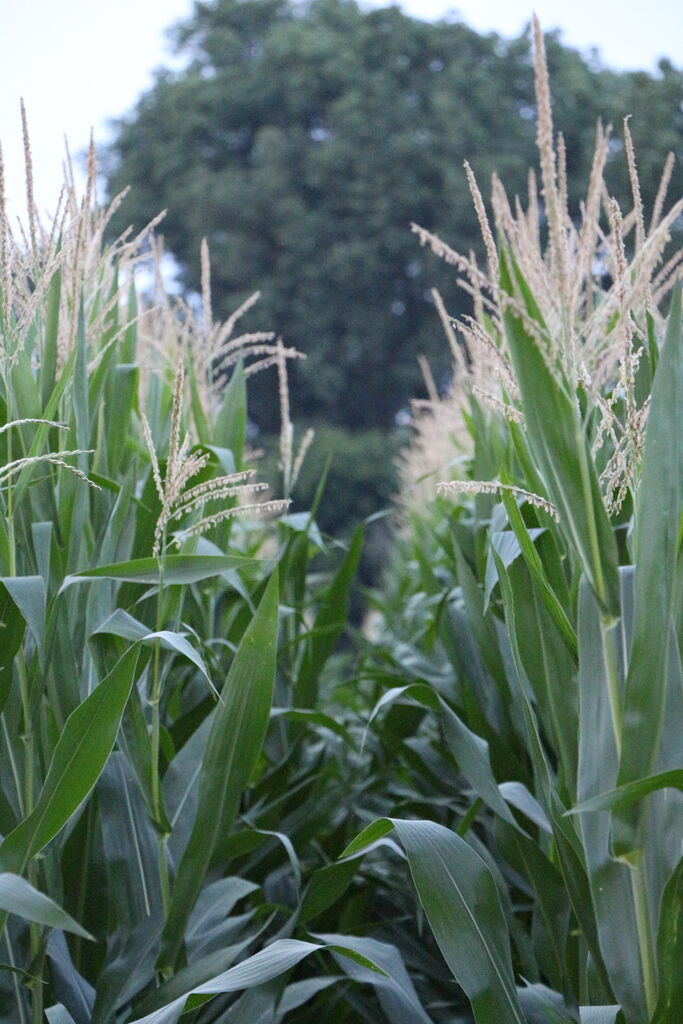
302, 140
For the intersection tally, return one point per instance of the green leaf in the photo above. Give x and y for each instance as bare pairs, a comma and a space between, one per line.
508, 548
571, 855
30, 597
369, 836
551, 671
232, 751
177, 569
657, 542
551, 908
543, 1006
560, 447
58, 1014
120, 623
329, 625
48, 356
462, 905
525, 538
325, 887
670, 951
80, 383
394, 988
610, 880
599, 1014
269, 963
231, 423
80, 755
17, 896
472, 755
11, 635
628, 794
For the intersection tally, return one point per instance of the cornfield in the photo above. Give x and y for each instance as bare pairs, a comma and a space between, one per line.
471, 812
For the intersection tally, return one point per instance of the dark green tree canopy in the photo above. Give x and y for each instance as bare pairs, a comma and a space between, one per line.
302, 140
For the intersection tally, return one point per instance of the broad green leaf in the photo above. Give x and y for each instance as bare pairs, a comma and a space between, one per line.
313, 718
80, 755
657, 543
231, 423
123, 624
11, 635
559, 445
395, 990
215, 903
232, 751
610, 881
543, 1006
328, 626
462, 905
571, 856
58, 1014
508, 548
551, 671
471, 753
599, 1014
300, 992
17, 896
670, 952
203, 968
482, 628
204, 433
42, 535
622, 796
120, 623
551, 907
120, 401
80, 382
368, 837
325, 887
75, 992
129, 845
269, 963
30, 596
48, 358
517, 795
525, 538
177, 569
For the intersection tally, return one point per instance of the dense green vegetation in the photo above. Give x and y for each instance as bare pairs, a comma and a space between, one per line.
471, 810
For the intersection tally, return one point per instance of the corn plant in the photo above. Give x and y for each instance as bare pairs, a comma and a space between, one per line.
173, 797
544, 620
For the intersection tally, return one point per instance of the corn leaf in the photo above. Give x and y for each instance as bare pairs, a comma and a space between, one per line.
462, 905
232, 750
560, 448
80, 755
177, 569
17, 896
657, 542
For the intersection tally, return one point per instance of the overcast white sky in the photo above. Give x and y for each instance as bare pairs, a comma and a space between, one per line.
79, 62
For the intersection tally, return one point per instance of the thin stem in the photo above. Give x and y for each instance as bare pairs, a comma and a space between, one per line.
15, 978
37, 988
156, 736
645, 939
26, 738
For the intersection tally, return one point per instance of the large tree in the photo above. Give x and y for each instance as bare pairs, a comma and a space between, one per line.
302, 138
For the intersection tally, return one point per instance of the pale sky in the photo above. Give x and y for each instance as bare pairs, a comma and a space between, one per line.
79, 62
